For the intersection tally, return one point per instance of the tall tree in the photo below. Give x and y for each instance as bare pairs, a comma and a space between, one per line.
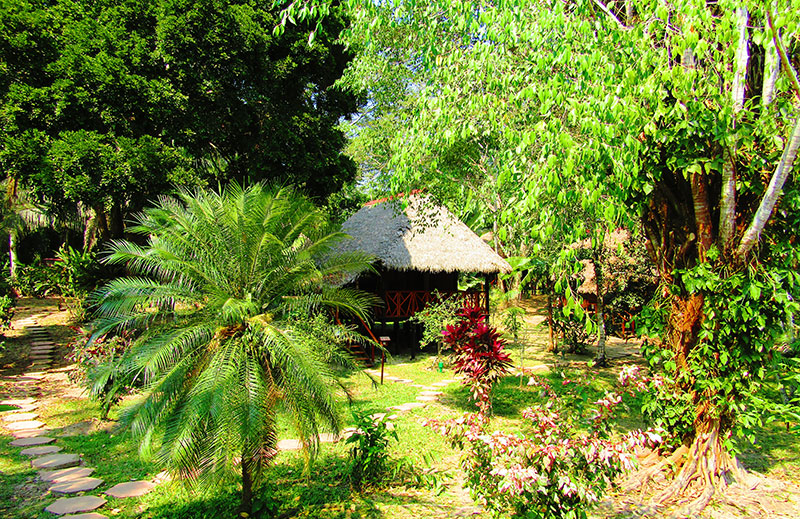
108, 104
684, 113
230, 312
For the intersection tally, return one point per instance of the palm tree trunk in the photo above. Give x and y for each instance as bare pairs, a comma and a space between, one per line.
246, 505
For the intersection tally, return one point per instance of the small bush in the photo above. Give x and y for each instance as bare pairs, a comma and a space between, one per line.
435, 318
558, 468
370, 452
37, 280
6, 311
95, 361
479, 353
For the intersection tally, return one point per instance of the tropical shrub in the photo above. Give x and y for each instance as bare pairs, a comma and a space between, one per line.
435, 318
231, 310
96, 358
6, 311
38, 280
479, 354
564, 461
80, 273
369, 453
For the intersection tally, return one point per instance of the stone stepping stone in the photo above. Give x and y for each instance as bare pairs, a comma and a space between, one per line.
29, 433
347, 432
20, 417
90, 515
41, 348
42, 343
76, 485
431, 393
443, 383
427, 399
27, 424
32, 376
289, 445
56, 461
130, 489
328, 438
26, 380
57, 476
70, 505
18, 401
27, 408
30, 442
40, 451
377, 416
408, 407
41, 356
402, 381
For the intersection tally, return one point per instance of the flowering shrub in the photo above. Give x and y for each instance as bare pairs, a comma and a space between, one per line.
92, 359
558, 469
479, 354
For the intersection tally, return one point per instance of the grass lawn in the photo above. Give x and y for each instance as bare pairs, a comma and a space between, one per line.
324, 492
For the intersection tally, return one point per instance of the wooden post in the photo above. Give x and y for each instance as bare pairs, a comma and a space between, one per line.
384, 342
486, 279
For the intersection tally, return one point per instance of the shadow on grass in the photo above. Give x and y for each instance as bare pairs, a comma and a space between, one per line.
287, 493
776, 451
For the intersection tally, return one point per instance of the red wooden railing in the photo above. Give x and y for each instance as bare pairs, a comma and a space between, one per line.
405, 303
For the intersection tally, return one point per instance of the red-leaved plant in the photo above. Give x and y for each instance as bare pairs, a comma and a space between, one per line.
479, 353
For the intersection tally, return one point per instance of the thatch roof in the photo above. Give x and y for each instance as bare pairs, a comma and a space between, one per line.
420, 236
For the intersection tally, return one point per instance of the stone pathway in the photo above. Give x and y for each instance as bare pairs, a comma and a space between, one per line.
64, 470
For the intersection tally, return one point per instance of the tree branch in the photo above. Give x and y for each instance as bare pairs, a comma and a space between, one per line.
772, 66
787, 65
770, 197
727, 213
742, 57
606, 10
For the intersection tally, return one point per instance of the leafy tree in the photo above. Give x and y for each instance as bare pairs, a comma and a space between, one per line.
683, 113
229, 311
108, 104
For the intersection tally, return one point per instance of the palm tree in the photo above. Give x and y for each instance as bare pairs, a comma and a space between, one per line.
230, 310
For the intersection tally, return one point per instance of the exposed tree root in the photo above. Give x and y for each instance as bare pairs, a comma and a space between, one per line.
688, 479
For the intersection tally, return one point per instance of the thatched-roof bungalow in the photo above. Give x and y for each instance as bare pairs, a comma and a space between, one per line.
419, 247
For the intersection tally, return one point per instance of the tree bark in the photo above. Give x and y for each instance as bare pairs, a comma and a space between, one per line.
702, 214
727, 213
597, 261
771, 68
